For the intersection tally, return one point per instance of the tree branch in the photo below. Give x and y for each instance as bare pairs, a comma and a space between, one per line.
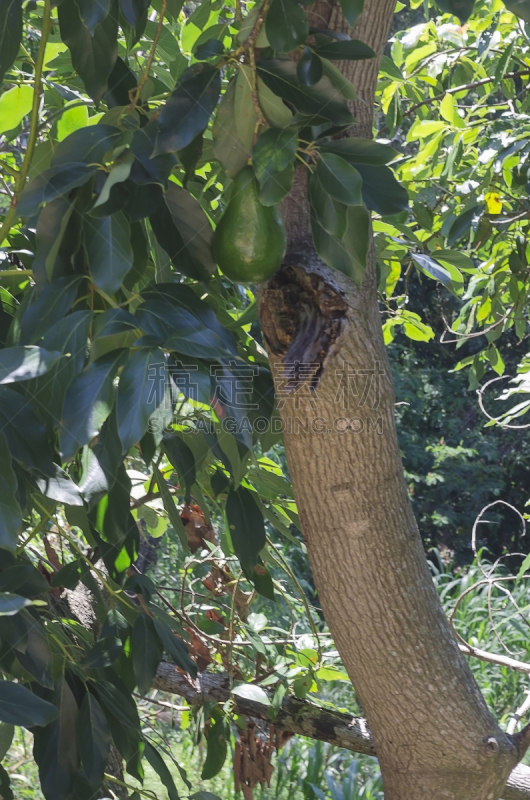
300, 717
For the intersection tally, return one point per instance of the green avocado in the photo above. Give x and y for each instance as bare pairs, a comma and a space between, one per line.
249, 241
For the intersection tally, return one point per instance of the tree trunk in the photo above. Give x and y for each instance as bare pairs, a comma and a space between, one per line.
433, 733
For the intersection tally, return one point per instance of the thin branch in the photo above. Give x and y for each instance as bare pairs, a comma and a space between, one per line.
300, 717
523, 709
464, 87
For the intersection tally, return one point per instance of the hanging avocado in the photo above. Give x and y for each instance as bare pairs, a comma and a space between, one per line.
250, 239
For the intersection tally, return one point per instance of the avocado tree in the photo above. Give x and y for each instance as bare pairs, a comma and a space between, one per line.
137, 394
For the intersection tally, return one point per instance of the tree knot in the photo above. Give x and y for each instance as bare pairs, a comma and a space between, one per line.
302, 315
491, 745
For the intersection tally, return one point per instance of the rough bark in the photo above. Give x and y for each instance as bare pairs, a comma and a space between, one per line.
432, 730
300, 717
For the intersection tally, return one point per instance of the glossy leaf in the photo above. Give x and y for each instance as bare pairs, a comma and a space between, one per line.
348, 50
286, 25
381, 191
339, 179
54, 182
24, 363
12, 603
277, 186
273, 152
88, 402
229, 150
217, 747
188, 110
309, 69
93, 54
93, 12
56, 748
183, 230
360, 151
175, 648
182, 458
140, 392
19, 706
318, 101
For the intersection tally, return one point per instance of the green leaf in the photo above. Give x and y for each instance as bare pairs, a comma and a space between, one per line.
56, 748
6, 792
171, 510
54, 182
93, 12
309, 69
345, 50
159, 765
6, 737
329, 213
217, 747
381, 191
147, 650
94, 740
184, 232
183, 460
274, 150
431, 268
352, 10
276, 187
24, 363
88, 145
228, 149
339, 179
19, 706
103, 653
521, 8
37, 658
46, 308
249, 691
26, 437
15, 104
318, 101
360, 151
286, 25
180, 330
246, 526
10, 513
10, 34
93, 55
339, 81
12, 603
462, 225
273, 107
118, 703
88, 402
109, 251
175, 648
460, 8
348, 254
188, 110
140, 392
245, 117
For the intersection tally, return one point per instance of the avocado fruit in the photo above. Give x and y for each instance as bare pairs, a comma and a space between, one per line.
250, 239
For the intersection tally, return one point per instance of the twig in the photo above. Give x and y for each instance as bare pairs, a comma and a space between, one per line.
135, 93
463, 88
519, 714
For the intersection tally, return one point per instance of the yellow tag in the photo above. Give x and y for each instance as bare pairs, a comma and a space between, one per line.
493, 202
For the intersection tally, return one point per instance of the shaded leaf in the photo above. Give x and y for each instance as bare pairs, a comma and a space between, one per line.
10, 513
347, 50
10, 33
93, 56
159, 765
88, 402
188, 110
184, 231
286, 25
147, 650
381, 191
24, 363
342, 181
94, 740
140, 392
109, 251
19, 706
246, 525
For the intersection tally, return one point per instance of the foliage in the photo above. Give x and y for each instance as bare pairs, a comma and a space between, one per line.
136, 400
